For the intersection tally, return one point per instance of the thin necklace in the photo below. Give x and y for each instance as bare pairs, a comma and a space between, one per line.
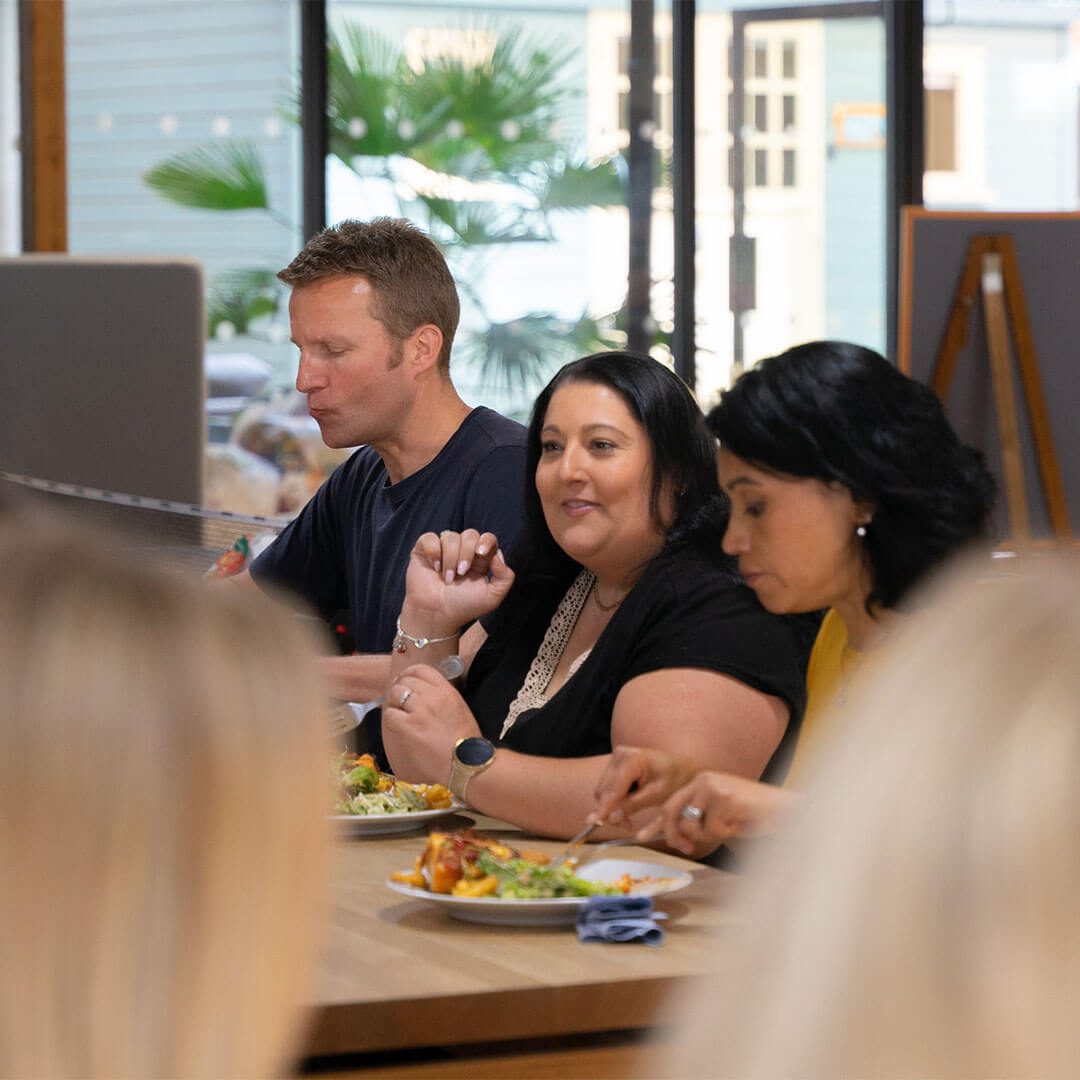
599, 603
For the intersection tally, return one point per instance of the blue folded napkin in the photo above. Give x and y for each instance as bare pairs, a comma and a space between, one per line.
620, 918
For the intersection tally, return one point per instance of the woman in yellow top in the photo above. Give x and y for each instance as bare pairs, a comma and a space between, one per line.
847, 486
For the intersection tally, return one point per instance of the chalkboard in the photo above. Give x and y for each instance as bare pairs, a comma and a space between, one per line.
933, 253
102, 362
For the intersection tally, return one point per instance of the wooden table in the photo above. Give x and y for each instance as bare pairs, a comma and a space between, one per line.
399, 973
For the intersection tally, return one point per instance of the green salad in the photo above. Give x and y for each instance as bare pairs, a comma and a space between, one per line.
520, 879
403, 799
362, 790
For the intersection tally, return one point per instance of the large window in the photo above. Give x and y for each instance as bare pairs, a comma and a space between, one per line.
183, 140
504, 130
180, 142
499, 132
543, 263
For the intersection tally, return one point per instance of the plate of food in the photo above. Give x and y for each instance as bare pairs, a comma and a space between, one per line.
482, 879
368, 802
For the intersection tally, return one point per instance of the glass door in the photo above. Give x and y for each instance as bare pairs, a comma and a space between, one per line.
807, 173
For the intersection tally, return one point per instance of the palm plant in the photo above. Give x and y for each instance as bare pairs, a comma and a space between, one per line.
238, 297
450, 126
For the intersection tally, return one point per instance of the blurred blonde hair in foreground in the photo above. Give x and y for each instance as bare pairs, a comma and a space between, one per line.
163, 800
920, 915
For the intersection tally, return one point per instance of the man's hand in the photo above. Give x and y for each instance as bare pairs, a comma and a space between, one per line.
355, 678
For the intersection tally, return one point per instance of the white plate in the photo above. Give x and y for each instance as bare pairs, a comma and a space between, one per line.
489, 909
385, 824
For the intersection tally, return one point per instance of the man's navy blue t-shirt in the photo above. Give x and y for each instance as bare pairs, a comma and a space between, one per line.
349, 547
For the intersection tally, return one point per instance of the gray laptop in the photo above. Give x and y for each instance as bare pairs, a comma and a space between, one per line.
101, 372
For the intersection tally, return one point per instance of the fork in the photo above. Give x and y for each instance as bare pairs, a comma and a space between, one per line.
593, 850
344, 717
573, 844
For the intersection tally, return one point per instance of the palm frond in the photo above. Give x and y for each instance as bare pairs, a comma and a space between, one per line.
474, 224
576, 186
221, 176
500, 113
590, 335
364, 74
520, 355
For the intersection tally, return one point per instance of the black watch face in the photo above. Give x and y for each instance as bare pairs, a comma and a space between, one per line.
475, 751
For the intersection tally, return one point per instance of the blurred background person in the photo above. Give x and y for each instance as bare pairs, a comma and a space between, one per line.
625, 623
916, 915
163, 792
848, 486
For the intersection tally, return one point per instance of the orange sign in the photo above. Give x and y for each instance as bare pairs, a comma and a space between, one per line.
858, 125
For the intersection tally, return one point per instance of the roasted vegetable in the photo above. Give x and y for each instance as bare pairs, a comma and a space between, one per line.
465, 863
362, 778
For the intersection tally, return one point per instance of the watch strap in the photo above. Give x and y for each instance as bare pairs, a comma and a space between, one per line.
459, 780
461, 774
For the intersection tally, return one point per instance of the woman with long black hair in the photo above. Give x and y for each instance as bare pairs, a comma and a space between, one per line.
622, 622
848, 487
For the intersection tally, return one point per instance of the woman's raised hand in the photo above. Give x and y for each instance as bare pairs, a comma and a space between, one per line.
452, 579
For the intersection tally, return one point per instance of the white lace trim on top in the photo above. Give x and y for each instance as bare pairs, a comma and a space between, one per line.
531, 695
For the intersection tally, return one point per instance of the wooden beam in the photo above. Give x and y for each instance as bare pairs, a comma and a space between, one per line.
959, 316
44, 124
1001, 378
1042, 434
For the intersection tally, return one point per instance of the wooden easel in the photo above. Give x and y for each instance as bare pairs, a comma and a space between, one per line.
992, 269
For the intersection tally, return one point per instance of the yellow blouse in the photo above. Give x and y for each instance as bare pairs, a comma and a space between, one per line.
832, 662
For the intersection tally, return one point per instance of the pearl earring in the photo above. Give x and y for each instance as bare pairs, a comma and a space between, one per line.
860, 530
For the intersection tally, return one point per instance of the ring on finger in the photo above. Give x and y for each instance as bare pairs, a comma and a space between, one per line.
405, 695
693, 813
